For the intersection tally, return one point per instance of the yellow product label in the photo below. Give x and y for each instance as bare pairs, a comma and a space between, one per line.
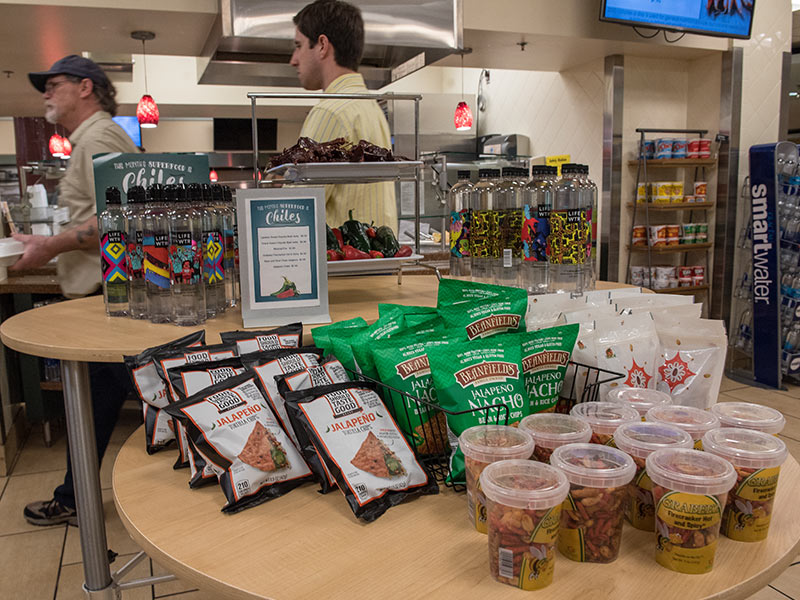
546, 529
698, 444
479, 510
641, 511
537, 573
681, 521
571, 541
557, 161
749, 510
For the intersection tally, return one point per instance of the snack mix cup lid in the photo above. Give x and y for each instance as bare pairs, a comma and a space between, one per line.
695, 421
745, 447
552, 430
690, 471
490, 443
594, 465
746, 415
639, 398
524, 484
605, 417
641, 439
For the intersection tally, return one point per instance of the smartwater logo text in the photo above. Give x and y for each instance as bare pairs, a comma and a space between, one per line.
762, 245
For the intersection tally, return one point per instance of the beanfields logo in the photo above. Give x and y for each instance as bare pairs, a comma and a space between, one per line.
492, 324
487, 372
544, 360
226, 400
414, 367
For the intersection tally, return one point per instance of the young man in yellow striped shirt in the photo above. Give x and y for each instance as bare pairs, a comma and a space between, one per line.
328, 44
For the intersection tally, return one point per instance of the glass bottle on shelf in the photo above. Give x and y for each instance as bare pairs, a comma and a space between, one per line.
137, 292
483, 226
459, 199
113, 250
537, 200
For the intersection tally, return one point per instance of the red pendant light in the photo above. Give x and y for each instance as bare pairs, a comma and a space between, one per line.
56, 145
213, 177
67, 147
147, 109
463, 117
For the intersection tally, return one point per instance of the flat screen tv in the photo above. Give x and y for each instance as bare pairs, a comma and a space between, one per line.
237, 134
131, 127
722, 18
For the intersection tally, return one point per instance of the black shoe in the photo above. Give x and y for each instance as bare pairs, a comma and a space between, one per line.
50, 512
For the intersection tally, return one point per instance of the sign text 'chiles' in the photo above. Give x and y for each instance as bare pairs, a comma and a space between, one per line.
486, 372
285, 215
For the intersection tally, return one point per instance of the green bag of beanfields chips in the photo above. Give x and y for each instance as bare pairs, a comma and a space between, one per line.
322, 335
475, 375
485, 318
545, 357
453, 291
402, 363
385, 308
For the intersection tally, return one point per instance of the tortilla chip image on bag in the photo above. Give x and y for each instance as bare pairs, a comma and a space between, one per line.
454, 291
286, 336
152, 391
233, 426
485, 318
483, 378
350, 427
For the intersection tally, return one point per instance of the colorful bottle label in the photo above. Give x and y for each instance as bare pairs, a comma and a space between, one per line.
229, 248
112, 254
510, 230
185, 256
570, 232
236, 246
749, 509
136, 256
156, 259
213, 257
459, 233
484, 234
535, 229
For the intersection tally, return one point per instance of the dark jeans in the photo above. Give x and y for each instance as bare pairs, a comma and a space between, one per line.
110, 385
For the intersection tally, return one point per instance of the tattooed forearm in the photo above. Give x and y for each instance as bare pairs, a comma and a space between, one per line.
86, 235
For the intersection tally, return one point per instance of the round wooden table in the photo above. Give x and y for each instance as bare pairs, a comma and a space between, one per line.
305, 545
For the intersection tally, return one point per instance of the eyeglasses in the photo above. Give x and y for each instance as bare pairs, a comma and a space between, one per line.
51, 86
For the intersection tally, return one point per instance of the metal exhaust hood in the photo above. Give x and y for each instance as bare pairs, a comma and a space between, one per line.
251, 41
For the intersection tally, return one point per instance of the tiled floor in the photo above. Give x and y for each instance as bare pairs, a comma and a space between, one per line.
40, 562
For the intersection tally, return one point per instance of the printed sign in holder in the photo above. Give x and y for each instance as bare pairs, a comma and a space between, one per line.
283, 264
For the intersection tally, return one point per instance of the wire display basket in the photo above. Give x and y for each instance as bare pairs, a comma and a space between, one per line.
427, 422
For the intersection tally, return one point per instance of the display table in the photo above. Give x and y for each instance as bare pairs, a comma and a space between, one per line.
305, 545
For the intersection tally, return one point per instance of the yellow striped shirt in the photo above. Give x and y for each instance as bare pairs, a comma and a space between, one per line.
353, 120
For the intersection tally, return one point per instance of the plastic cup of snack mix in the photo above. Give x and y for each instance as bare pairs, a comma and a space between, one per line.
690, 489
523, 502
746, 415
757, 458
639, 398
694, 421
483, 445
592, 514
640, 440
553, 430
604, 418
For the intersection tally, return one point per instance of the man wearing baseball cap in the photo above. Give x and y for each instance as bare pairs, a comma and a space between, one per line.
78, 95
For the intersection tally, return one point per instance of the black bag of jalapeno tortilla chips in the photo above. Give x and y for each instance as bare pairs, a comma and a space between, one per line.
232, 424
322, 334
350, 427
152, 391
169, 358
455, 291
286, 336
329, 371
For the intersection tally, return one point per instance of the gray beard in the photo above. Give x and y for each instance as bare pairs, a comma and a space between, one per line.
51, 117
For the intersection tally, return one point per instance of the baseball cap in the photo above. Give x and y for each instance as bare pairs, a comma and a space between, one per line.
70, 65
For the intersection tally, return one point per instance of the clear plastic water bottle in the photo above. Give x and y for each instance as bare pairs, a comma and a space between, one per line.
483, 226
186, 260
570, 231
792, 342
156, 255
537, 200
230, 202
590, 205
744, 335
226, 219
113, 255
134, 229
509, 226
213, 250
460, 216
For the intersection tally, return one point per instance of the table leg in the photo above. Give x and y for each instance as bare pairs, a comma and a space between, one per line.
86, 477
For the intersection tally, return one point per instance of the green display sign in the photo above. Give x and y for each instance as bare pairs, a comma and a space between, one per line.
126, 170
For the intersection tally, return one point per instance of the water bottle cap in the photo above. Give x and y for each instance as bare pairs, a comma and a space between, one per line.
194, 192
136, 194
464, 174
216, 192
155, 193
228, 193
113, 196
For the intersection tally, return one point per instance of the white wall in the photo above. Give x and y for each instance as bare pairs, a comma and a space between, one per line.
7, 143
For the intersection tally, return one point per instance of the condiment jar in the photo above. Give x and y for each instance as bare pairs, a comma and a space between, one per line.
640, 440
552, 430
592, 515
604, 418
694, 421
746, 415
523, 501
483, 445
639, 398
690, 489
757, 458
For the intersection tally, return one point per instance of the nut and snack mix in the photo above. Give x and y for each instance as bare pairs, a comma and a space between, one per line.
746, 415
694, 421
604, 418
690, 489
553, 430
757, 458
524, 500
592, 514
483, 445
